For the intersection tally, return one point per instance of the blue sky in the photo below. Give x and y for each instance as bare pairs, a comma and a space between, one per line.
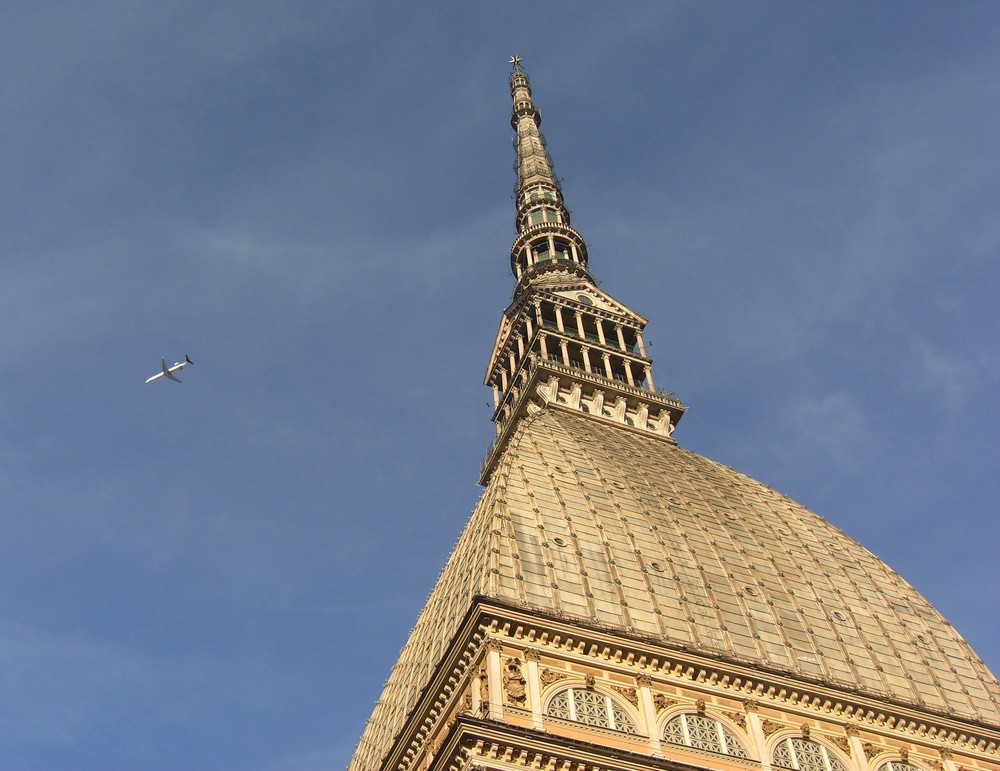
312, 200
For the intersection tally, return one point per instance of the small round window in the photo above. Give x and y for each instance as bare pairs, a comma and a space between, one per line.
585, 299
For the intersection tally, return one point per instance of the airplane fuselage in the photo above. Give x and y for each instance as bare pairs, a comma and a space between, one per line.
168, 372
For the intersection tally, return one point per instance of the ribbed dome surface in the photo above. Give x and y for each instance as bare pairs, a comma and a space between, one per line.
618, 527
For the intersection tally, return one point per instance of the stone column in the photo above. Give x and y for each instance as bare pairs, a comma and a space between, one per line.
607, 365
494, 674
756, 731
642, 348
649, 379
621, 337
565, 352
857, 748
648, 711
534, 686
543, 346
628, 373
586, 357
948, 759
559, 319
600, 331
579, 324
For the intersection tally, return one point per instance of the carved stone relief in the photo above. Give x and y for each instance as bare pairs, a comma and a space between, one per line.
870, 750
484, 688
661, 702
628, 693
770, 727
548, 676
514, 683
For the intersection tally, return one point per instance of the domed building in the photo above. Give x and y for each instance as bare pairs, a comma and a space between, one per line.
616, 602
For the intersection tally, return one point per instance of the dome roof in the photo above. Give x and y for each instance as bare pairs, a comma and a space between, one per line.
621, 528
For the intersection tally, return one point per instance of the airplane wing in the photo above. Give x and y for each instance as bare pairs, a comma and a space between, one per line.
165, 372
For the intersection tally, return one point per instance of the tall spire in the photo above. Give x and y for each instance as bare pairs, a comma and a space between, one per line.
545, 238
562, 342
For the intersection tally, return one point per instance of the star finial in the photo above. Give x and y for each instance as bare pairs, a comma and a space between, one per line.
516, 61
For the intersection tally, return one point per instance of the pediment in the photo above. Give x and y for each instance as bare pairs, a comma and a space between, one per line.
593, 297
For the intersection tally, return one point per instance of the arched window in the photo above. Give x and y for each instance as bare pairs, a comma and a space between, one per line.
590, 707
897, 765
702, 733
804, 755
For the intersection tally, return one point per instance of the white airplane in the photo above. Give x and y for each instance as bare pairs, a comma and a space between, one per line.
169, 371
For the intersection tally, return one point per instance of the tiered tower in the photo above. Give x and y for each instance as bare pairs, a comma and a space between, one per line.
562, 341
617, 603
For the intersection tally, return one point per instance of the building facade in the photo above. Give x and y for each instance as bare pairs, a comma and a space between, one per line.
616, 602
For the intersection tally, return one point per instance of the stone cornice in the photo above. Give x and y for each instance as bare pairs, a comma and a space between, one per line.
489, 621
471, 738
743, 679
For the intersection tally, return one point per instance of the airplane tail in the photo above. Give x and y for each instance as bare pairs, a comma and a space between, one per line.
187, 360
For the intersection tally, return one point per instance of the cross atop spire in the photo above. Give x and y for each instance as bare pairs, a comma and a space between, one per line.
515, 60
